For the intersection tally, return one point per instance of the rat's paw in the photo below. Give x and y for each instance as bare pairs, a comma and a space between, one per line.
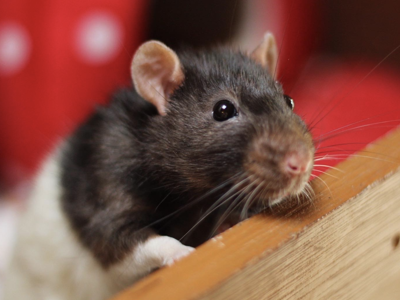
154, 253
159, 251
169, 250
177, 253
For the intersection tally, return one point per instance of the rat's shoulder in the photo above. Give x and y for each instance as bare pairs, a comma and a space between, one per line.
115, 124
125, 108
126, 102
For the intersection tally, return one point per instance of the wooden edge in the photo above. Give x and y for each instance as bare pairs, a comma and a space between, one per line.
219, 259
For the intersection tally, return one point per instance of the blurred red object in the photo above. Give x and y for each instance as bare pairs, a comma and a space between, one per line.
57, 59
348, 102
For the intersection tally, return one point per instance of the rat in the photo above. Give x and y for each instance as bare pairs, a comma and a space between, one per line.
202, 135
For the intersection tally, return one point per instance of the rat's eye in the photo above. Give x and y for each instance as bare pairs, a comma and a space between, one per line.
289, 101
224, 110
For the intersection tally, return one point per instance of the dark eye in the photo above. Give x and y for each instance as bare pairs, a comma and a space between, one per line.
289, 101
224, 110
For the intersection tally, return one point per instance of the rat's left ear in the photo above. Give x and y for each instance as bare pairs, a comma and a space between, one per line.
156, 72
266, 53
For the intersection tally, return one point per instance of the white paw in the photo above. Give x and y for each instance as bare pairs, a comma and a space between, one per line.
156, 252
178, 253
159, 251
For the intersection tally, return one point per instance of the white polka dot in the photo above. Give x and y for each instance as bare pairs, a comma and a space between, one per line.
98, 37
15, 48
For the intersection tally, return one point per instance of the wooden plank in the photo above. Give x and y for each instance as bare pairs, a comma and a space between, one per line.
342, 247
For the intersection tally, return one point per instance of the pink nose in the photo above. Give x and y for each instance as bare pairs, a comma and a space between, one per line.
296, 163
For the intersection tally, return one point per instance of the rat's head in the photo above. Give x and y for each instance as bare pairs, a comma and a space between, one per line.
224, 120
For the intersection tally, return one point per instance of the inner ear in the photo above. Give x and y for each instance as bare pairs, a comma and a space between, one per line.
156, 72
266, 53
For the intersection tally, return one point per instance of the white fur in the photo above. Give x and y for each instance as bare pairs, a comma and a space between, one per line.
8, 220
157, 251
50, 263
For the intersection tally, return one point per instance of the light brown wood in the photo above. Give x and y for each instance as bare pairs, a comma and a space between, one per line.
341, 247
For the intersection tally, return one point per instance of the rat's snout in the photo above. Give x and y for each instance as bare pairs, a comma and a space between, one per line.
281, 162
298, 161
273, 158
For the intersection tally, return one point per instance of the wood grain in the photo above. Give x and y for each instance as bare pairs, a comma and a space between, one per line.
341, 247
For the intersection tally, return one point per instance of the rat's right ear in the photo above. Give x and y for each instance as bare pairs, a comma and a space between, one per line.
156, 72
266, 53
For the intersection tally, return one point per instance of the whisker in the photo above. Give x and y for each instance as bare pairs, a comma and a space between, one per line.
330, 135
309, 188
308, 192
232, 207
315, 119
336, 146
340, 156
163, 200
319, 178
358, 84
191, 203
324, 172
243, 193
361, 121
243, 214
221, 201
330, 167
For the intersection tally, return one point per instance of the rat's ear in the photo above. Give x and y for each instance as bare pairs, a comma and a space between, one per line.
266, 53
156, 72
